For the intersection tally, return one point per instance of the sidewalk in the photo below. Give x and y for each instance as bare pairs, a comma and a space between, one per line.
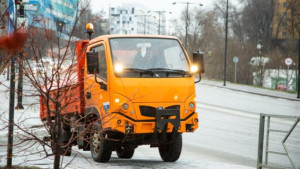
252, 90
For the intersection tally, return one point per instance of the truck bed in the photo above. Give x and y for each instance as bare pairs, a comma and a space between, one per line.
69, 95
72, 99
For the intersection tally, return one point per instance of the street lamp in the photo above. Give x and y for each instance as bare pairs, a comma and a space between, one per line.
187, 18
226, 40
159, 13
298, 91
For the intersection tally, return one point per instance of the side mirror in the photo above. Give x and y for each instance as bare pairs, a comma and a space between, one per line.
92, 62
93, 67
198, 60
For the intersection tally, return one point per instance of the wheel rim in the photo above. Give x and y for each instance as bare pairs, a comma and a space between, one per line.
96, 142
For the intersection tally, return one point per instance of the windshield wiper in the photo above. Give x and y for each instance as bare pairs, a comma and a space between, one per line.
141, 71
171, 71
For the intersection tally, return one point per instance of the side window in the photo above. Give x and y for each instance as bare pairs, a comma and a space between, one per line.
101, 62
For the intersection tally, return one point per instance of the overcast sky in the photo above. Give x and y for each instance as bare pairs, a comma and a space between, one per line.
165, 5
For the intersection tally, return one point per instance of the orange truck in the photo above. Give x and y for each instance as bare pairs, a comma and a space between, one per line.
131, 90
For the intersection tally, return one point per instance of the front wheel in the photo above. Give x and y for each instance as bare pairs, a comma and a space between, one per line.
101, 148
125, 152
170, 152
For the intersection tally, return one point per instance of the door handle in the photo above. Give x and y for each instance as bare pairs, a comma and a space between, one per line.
88, 95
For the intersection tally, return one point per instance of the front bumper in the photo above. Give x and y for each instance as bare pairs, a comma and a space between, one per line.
164, 120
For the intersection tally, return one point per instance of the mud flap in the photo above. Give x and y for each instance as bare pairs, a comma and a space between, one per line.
162, 118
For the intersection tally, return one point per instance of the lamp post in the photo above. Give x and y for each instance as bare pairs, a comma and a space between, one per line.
298, 91
226, 40
159, 16
12, 27
187, 18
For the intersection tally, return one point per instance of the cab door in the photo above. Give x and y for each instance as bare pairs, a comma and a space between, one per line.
96, 81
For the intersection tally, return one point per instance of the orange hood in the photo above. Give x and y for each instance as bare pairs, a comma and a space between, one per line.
142, 90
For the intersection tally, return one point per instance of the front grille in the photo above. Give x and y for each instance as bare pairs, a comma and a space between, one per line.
149, 111
174, 107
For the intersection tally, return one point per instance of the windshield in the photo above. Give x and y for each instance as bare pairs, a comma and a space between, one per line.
150, 54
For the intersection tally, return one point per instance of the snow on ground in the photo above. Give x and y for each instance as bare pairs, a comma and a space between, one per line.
28, 119
229, 121
272, 102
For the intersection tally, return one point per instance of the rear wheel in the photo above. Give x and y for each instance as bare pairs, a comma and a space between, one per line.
125, 152
170, 152
101, 148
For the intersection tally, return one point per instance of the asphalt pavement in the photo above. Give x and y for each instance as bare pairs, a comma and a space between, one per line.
252, 90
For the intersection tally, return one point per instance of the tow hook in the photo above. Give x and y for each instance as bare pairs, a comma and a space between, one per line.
128, 128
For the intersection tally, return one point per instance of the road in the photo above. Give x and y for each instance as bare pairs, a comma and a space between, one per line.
227, 136
228, 133
230, 122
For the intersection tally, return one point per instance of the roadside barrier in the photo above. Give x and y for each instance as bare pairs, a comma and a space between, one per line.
264, 164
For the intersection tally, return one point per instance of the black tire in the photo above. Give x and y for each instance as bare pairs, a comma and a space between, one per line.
170, 152
125, 152
101, 148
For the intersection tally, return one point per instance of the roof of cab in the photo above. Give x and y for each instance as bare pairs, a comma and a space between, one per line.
106, 37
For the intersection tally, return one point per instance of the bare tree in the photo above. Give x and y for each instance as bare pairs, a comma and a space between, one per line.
100, 24
50, 70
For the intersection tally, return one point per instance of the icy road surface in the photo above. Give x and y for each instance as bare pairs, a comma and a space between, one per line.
226, 139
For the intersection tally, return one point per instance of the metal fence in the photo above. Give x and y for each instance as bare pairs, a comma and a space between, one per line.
264, 163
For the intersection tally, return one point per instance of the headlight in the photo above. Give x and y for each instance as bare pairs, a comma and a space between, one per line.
117, 100
191, 105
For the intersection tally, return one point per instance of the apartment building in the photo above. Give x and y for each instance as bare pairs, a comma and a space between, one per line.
285, 19
133, 19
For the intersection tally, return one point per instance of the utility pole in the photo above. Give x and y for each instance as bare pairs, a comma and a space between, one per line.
226, 40
11, 113
298, 92
159, 22
186, 25
20, 83
20, 77
145, 21
159, 16
187, 19
12, 25
7, 77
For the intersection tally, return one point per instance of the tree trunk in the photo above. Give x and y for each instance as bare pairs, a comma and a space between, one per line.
57, 137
